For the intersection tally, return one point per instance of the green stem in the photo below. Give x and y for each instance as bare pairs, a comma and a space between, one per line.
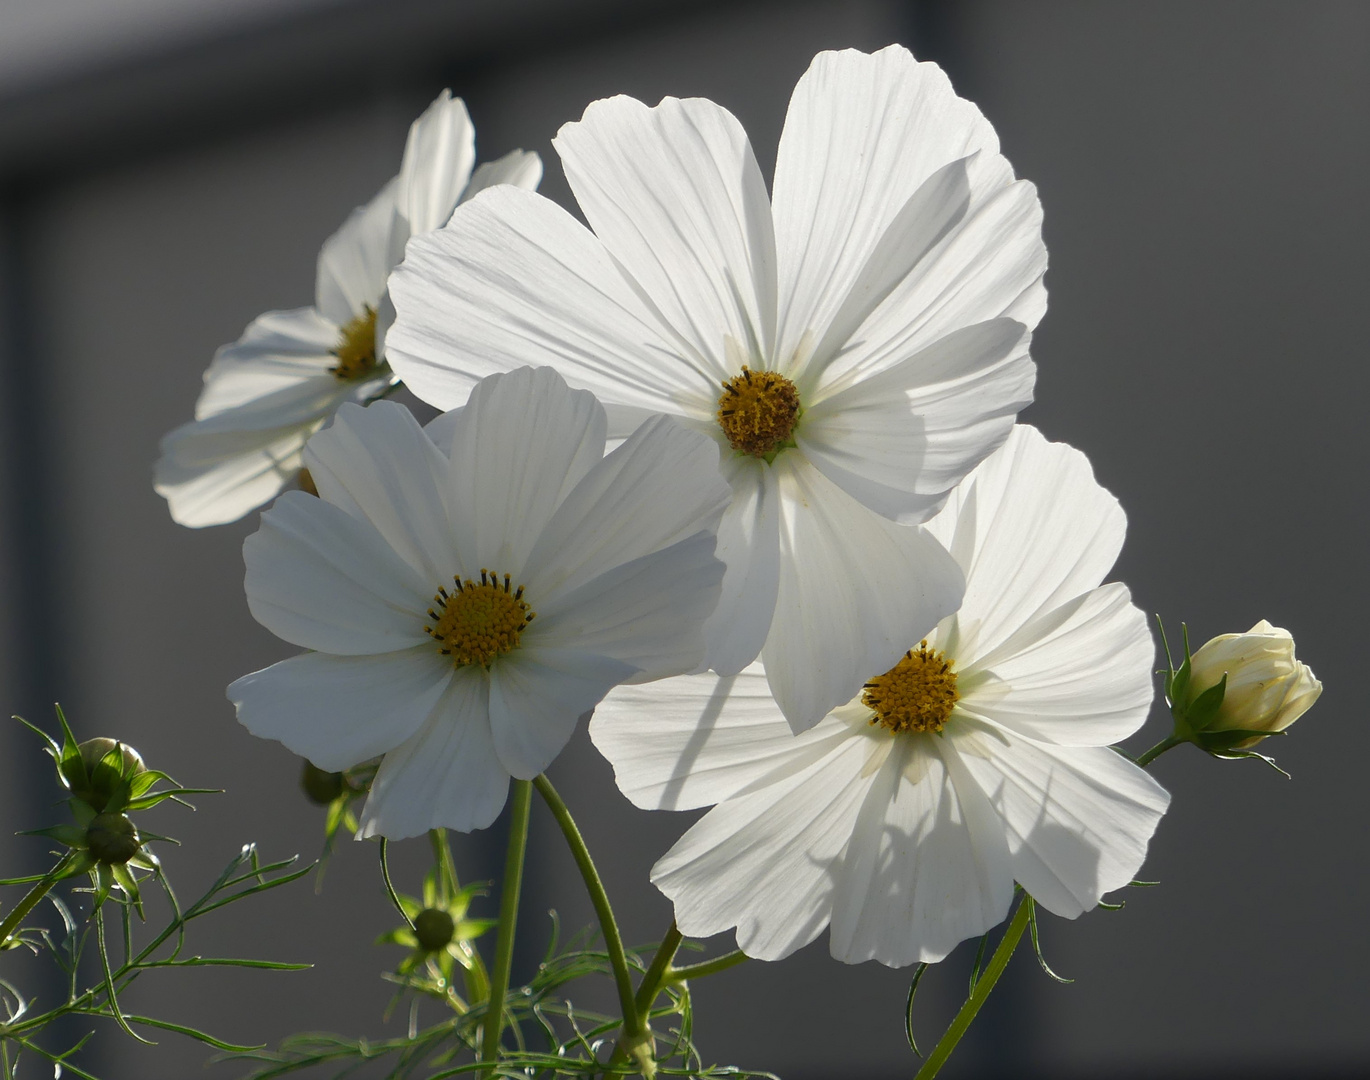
1168, 743
997, 963
30, 901
656, 972
442, 860
633, 1027
706, 967
520, 803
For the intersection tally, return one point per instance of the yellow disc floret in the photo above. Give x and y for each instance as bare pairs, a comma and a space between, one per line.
356, 348
917, 694
476, 623
758, 411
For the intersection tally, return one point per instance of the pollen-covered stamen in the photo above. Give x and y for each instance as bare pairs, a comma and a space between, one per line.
917, 694
356, 348
758, 411
474, 623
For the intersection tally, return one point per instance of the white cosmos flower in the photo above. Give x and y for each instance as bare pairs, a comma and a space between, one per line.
903, 838
265, 394
467, 601
856, 342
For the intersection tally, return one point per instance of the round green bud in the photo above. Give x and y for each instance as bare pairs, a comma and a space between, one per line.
112, 838
434, 929
320, 787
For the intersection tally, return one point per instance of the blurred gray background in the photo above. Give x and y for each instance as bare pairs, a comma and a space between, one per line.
168, 169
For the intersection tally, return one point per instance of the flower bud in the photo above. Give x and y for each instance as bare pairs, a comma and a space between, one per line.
113, 838
434, 929
1267, 688
94, 782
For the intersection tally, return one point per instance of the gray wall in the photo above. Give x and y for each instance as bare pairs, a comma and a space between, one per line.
1203, 173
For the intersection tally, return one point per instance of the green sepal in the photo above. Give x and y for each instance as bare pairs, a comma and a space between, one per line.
73, 836
1202, 711
1221, 741
401, 935
129, 884
470, 929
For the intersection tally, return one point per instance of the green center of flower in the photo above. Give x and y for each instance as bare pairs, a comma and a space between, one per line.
475, 623
758, 411
917, 694
113, 838
356, 348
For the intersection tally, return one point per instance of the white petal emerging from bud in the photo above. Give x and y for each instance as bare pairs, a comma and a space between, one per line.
1267, 688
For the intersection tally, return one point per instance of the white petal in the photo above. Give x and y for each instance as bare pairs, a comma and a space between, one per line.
862, 135
522, 168
536, 697
378, 465
447, 775
647, 614
899, 441
676, 195
749, 543
321, 579
763, 861
518, 448
658, 488
856, 592
438, 156
339, 711
1078, 819
212, 477
913, 882
700, 739
1078, 675
512, 280
988, 267
1032, 529
277, 351
355, 261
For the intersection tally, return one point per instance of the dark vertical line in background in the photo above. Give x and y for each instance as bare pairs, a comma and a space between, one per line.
28, 485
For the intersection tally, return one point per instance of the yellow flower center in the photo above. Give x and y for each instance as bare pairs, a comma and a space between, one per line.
917, 694
476, 623
356, 348
758, 411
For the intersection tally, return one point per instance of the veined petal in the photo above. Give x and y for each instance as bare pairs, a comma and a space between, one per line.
863, 134
913, 882
658, 488
518, 448
438, 156
212, 477
899, 441
648, 613
749, 544
700, 739
447, 775
763, 861
512, 280
339, 711
856, 592
1077, 819
355, 261
277, 351
676, 196
1078, 675
522, 168
1032, 529
988, 267
378, 465
536, 697
322, 579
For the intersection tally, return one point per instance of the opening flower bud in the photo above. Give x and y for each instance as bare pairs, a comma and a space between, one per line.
93, 780
434, 928
113, 838
1267, 688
